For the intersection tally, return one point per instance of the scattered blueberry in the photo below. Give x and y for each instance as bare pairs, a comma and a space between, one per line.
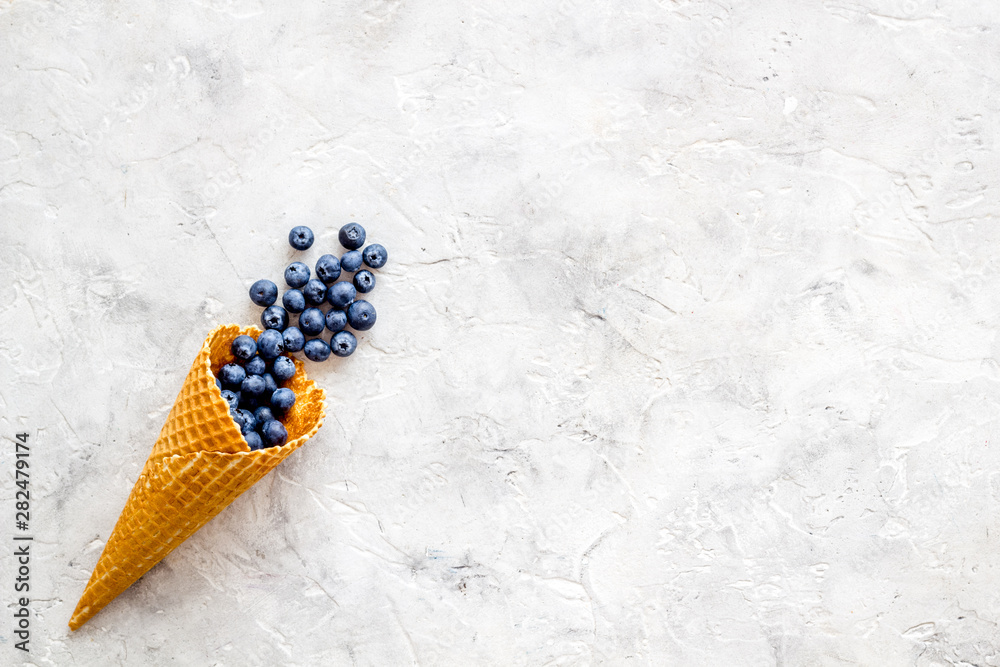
249, 421
343, 343
270, 384
294, 339
274, 317
270, 344
263, 293
256, 365
361, 315
232, 398
317, 350
351, 261
312, 321
232, 375
253, 385
253, 439
336, 320
328, 268
340, 295
300, 237
352, 236
263, 414
218, 383
282, 400
296, 275
314, 291
274, 433
375, 255
364, 281
243, 348
283, 369
293, 300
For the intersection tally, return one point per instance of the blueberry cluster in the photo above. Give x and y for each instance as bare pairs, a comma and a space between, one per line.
251, 385
307, 295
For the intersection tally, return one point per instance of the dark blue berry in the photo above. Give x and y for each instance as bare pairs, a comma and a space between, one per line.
327, 268
314, 291
253, 385
294, 339
249, 422
232, 398
256, 365
297, 274
232, 376
270, 384
243, 348
352, 236
254, 441
340, 295
270, 344
218, 383
336, 320
343, 343
283, 369
312, 321
264, 293
361, 315
351, 261
274, 433
263, 414
364, 281
375, 255
274, 317
282, 400
293, 300
317, 350
300, 237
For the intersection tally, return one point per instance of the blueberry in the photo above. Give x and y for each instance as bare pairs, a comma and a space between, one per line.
294, 339
254, 441
300, 237
282, 400
314, 292
343, 343
340, 295
218, 383
274, 317
232, 375
232, 398
317, 350
283, 369
270, 384
294, 301
243, 348
249, 422
263, 414
237, 418
297, 274
311, 321
364, 281
352, 236
375, 255
361, 315
336, 320
351, 261
274, 433
253, 385
264, 293
256, 365
327, 268
270, 344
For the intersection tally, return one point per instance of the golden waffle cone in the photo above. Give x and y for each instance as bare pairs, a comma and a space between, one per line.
199, 465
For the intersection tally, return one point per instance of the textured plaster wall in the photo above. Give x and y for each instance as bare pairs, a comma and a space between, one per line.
686, 350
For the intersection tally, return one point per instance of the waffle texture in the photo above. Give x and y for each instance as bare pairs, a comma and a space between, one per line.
198, 466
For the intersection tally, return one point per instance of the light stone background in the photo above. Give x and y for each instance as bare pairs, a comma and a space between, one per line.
686, 352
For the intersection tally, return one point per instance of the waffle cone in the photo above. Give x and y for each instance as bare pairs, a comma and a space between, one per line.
198, 466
